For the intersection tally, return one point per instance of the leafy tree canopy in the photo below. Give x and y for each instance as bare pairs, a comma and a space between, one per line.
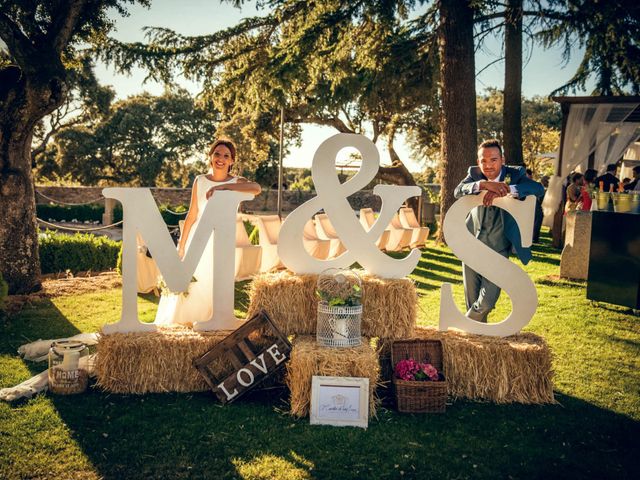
143, 141
609, 33
42, 42
357, 66
86, 103
541, 123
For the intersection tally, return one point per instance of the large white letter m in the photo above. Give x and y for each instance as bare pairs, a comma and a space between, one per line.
141, 214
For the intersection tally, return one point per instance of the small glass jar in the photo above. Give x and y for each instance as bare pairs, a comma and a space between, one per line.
67, 373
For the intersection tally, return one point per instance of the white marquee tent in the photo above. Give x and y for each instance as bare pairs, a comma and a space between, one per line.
596, 131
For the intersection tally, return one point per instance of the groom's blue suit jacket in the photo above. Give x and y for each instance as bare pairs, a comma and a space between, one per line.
499, 230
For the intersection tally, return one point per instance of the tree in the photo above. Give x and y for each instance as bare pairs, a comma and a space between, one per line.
541, 121
354, 66
489, 108
609, 33
143, 141
86, 103
42, 40
511, 113
457, 92
511, 20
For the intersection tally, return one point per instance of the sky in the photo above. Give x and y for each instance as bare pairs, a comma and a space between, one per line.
544, 71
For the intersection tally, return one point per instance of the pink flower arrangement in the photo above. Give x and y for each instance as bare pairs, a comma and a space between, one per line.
411, 370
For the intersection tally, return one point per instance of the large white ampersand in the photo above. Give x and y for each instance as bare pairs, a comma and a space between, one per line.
332, 197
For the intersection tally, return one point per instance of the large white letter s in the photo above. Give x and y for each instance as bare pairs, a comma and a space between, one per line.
491, 265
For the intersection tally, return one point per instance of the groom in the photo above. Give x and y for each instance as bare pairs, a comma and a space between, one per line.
491, 225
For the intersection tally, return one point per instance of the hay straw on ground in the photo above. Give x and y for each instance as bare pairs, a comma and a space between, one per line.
389, 305
515, 369
309, 359
154, 362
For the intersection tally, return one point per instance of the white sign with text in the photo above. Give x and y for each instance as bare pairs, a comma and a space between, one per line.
339, 401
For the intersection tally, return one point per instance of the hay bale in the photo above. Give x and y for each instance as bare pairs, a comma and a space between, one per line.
515, 369
309, 359
153, 362
289, 300
389, 305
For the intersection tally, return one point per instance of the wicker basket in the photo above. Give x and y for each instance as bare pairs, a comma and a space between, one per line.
419, 397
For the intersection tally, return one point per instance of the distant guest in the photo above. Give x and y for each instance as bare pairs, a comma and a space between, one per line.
574, 193
633, 183
544, 180
588, 188
609, 178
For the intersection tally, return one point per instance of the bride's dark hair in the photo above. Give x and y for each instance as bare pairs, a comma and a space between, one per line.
227, 143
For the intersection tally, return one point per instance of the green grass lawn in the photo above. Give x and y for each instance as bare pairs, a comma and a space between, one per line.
593, 432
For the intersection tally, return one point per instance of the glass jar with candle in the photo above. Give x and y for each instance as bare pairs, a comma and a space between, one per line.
67, 372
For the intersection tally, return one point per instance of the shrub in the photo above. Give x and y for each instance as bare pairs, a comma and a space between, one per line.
93, 212
169, 217
119, 261
79, 252
4, 291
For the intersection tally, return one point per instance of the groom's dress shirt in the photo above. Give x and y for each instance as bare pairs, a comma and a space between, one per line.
512, 188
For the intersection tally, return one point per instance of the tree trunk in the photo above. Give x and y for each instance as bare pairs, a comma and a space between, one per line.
21, 107
458, 124
512, 111
398, 174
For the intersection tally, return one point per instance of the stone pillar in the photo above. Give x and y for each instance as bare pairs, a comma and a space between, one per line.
107, 216
574, 261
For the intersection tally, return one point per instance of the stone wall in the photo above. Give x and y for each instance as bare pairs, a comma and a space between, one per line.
168, 196
266, 201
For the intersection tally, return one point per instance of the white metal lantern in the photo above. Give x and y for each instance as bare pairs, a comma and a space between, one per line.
339, 308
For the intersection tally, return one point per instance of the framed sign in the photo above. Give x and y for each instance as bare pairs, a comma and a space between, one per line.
340, 401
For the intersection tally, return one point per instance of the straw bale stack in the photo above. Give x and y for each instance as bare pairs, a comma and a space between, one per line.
515, 369
309, 359
153, 362
389, 305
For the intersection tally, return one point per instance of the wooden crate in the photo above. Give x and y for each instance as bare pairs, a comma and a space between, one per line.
251, 364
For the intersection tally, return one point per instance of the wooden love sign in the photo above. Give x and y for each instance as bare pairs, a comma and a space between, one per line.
251, 364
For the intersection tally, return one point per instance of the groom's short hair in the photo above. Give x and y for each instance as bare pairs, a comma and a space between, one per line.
491, 143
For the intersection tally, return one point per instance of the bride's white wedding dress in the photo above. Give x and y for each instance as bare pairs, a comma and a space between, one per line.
197, 305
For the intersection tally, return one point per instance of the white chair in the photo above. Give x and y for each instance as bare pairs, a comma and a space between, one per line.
408, 220
269, 229
408, 232
147, 270
326, 231
399, 238
317, 247
248, 257
367, 219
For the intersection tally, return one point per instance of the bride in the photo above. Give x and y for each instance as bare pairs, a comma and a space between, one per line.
196, 305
